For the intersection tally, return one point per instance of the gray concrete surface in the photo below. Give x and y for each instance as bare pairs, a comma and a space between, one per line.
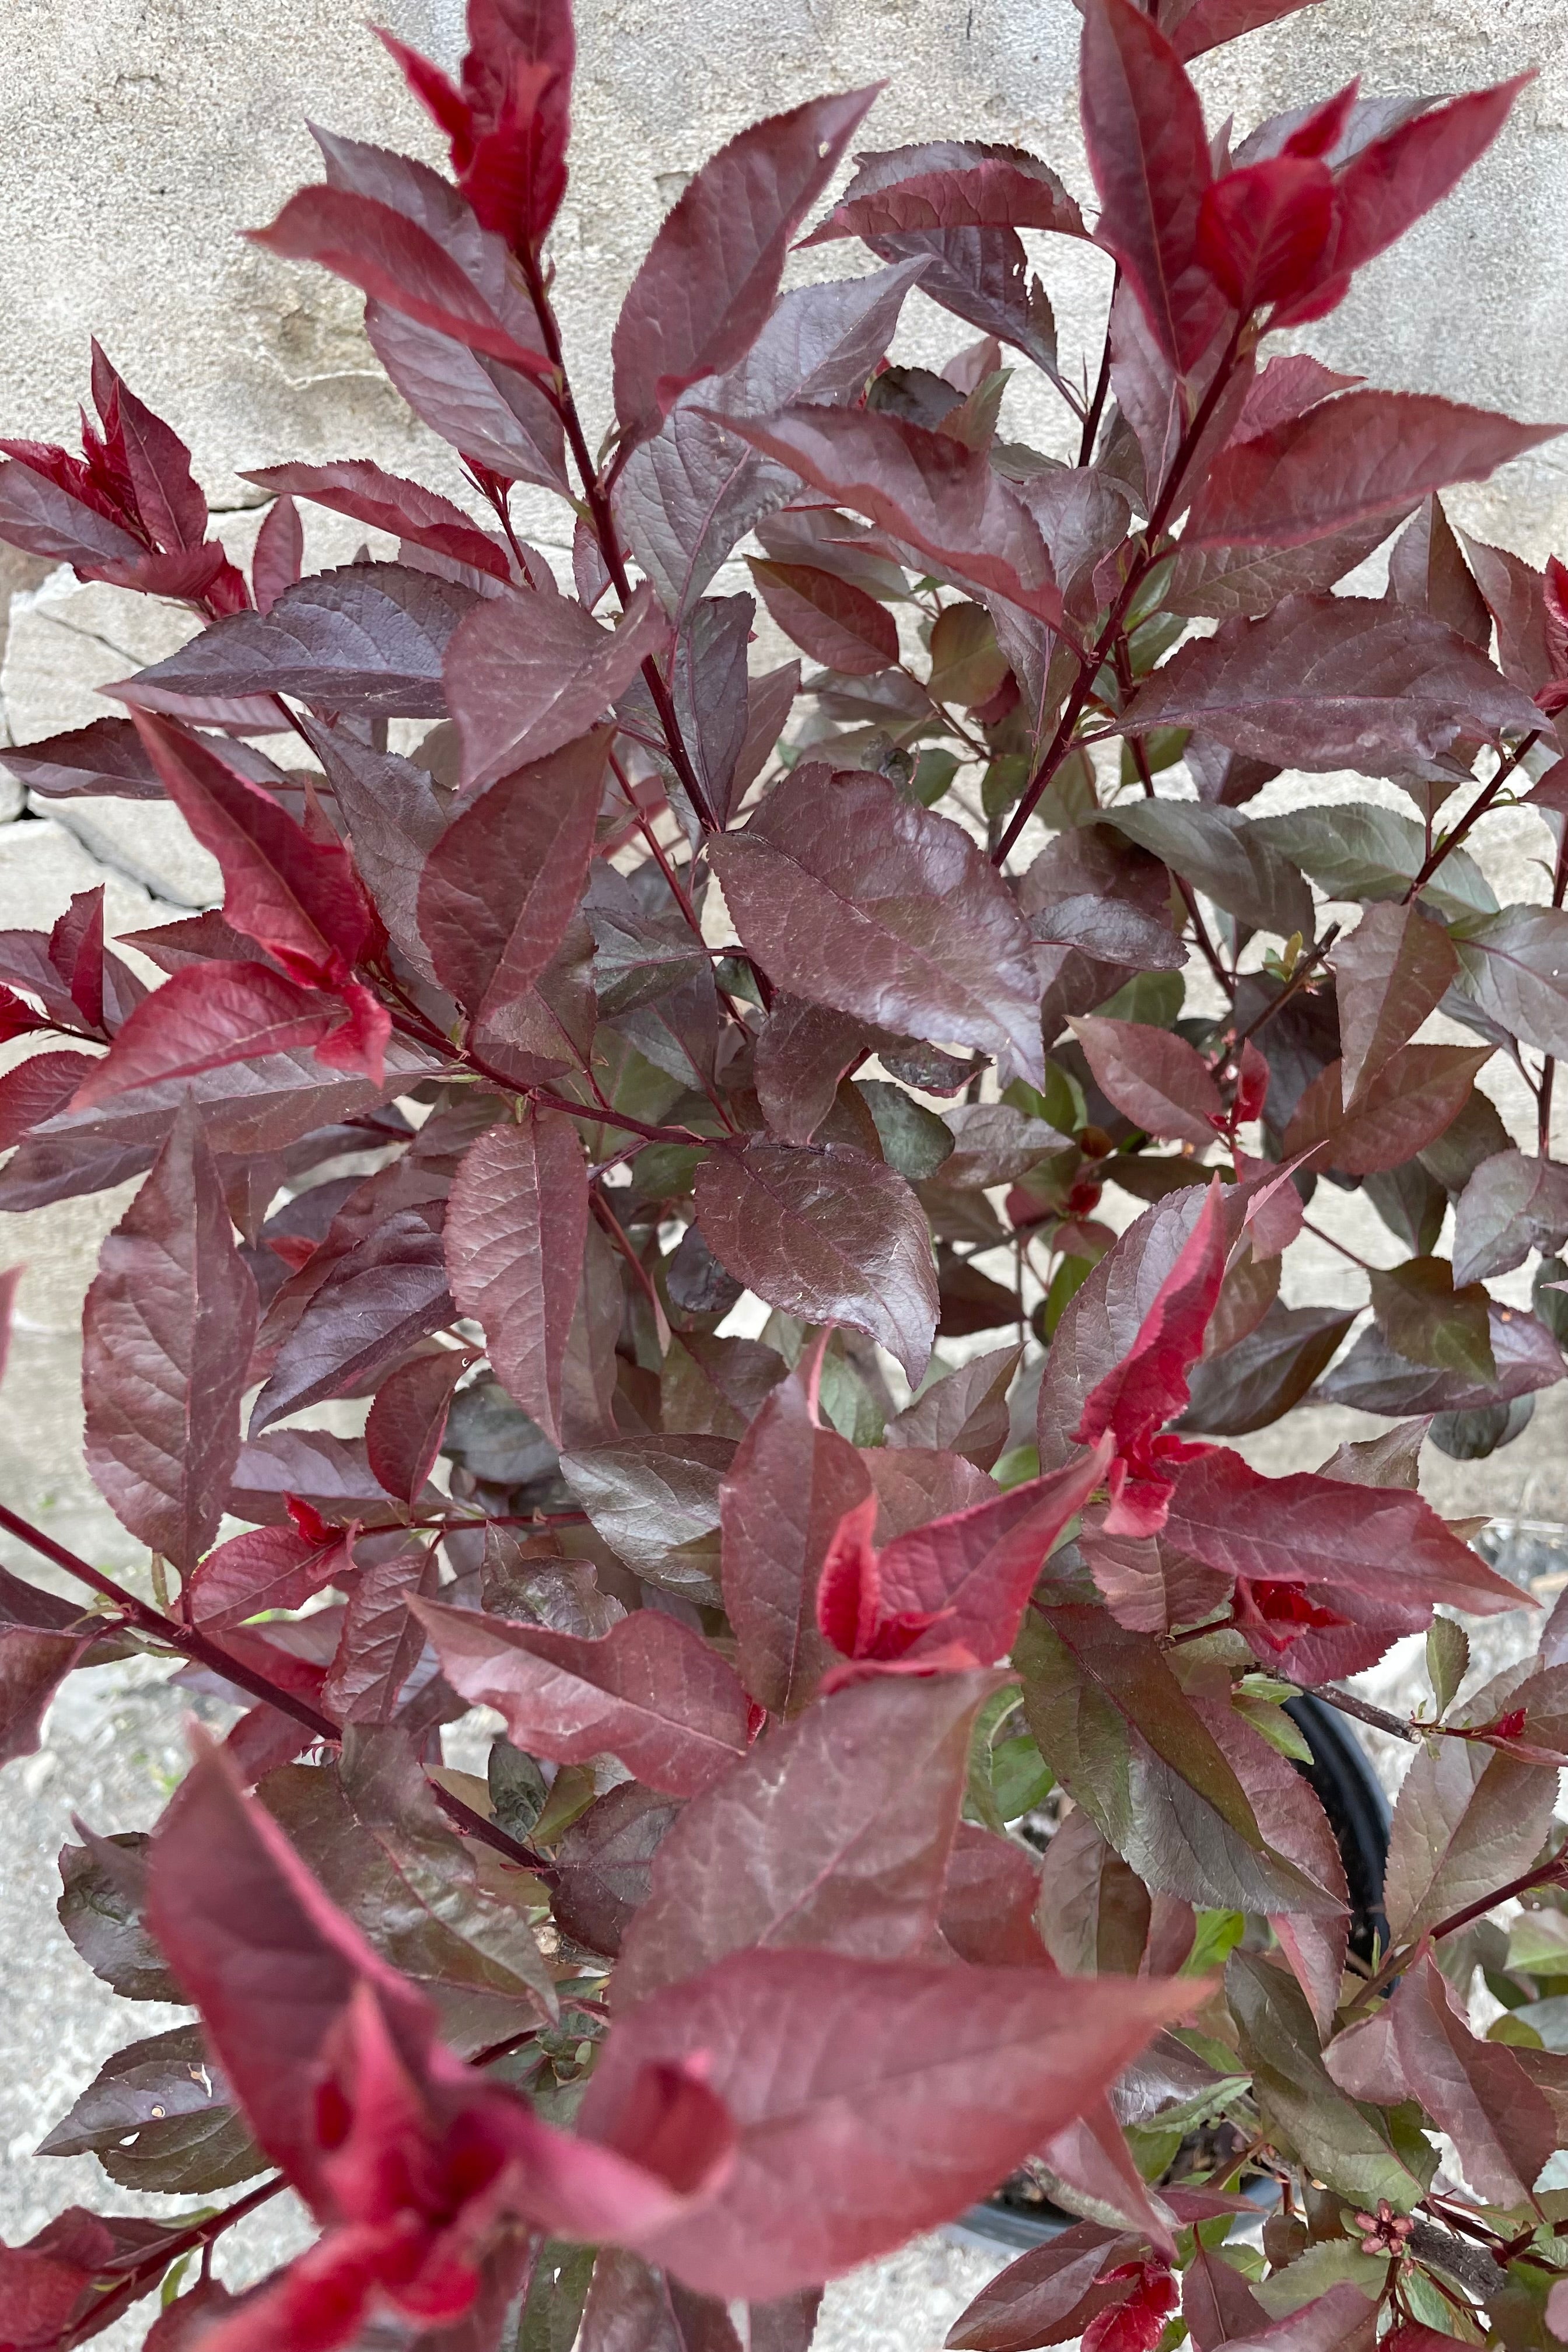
136, 138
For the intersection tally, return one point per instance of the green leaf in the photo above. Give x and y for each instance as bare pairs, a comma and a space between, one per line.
914, 1141
1278, 1728
1227, 856
1020, 1776
1218, 1934
1346, 2145
1334, 2261
552, 2311
1356, 850
934, 772
519, 1790
1447, 1662
1059, 1102
1428, 1321
1154, 998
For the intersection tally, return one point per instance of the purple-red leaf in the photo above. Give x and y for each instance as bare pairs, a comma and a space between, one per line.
710, 278
530, 672
834, 1833
790, 1484
853, 896
516, 1228
939, 497
1420, 1091
1346, 461
504, 880
824, 1235
206, 1016
649, 1692
1153, 1077
1143, 128
1389, 974
403, 1430
827, 2062
832, 620
355, 487
167, 1333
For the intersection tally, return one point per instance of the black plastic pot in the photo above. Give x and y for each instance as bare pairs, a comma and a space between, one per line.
1351, 1795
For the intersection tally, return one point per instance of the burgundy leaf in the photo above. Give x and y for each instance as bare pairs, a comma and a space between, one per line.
167, 1332
852, 896
1511, 1205
530, 672
278, 559
604, 1863
376, 1300
368, 638
983, 188
204, 1016
381, 1640
1153, 1077
355, 487
1421, 1091
833, 1835
832, 620
925, 489
1385, 188
650, 1692
392, 257
789, 1485
42, 516
110, 757
515, 1232
497, 416
403, 1433
1327, 682
825, 2062
1049, 2294
826, 1235
502, 882
1143, 128
1346, 461
37, 1089
711, 273
1390, 973
265, 1569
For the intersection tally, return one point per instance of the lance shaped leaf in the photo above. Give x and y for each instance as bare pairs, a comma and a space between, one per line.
1154, 1077
852, 896
655, 1501
1048, 2295
206, 1016
830, 619
530, 672
110, 756
1346, 461
370, 1829
355, 487
1143, 129
298, 898
649, 1692
367, 638
629, 2305
515, 1233
1375, 1379
710, 275
1380, 1558
604, 1863
980, 187
167, 1332
927, 491
824, 2060
156, 2116
385, 1293
790, 1484
1516, 969
827, 1236
1394, 180
497, 415
1467, 1819
1257, 1380
1390, 973
965, 1413
408, 1418
1512, 1204
833, 1835
1326, 682
1477, 2092
1359, 851
1420, 1091
504, 880
264, 1568
1114, 1723
687, 494
415, 267
1226, 856
972, 1571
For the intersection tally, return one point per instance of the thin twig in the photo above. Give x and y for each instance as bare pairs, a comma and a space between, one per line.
1477, 810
